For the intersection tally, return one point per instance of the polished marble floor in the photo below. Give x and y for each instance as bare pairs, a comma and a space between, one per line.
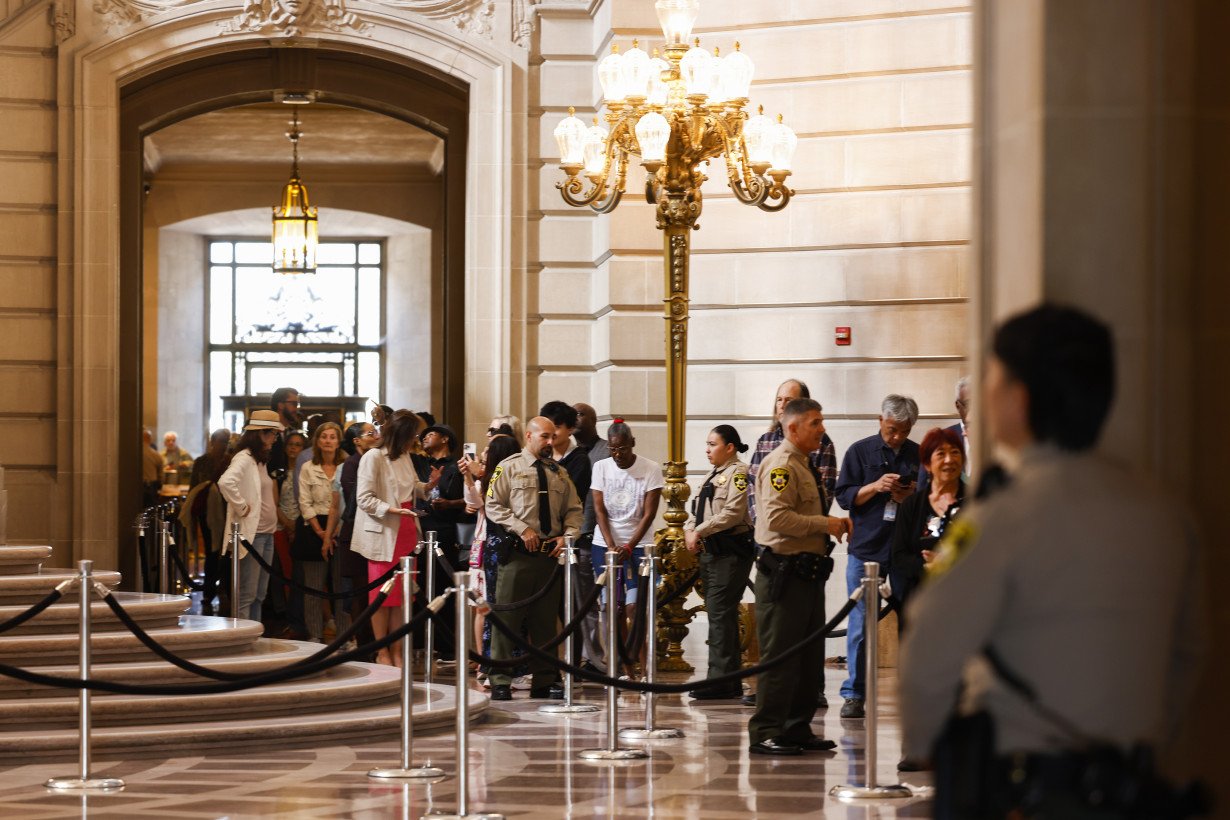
522, 763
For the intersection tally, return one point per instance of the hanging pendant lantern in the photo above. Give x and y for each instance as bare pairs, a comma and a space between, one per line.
295, 233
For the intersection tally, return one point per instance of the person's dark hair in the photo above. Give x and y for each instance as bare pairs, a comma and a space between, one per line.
352, 432
280, 395
804, 393
499, 448
502, 430
294, 434
560, 413
314, 421
934, 438
618, 427
399, 431
220, 464
251, 441
1066, 360
797, 407
428, 419
730, 435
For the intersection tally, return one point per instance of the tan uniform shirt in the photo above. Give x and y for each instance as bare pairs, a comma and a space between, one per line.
728, 509
512, 497
789, 514
1083, 591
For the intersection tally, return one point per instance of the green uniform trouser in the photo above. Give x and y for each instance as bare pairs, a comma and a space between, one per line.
787, 696
517, 580
725, 579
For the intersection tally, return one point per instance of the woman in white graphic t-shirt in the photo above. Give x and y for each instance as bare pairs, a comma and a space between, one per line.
626, 490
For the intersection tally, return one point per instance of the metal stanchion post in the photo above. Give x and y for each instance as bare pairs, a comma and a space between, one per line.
429, 630
612, 750
164, 555
569, 557
407, 769
871, 610
651, 732
83, 781
235, 569
461, 586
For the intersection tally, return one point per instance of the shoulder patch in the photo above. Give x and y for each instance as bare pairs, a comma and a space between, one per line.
495, 476
959, 536
779, 478
740, 481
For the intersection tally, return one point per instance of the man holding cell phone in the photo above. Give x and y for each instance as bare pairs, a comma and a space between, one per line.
877, 474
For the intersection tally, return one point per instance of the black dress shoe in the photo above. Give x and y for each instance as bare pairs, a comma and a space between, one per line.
713, 693
501, 692
749, 700
822, 702
553, 692
775, 746
817, 744
852, 708
908, 765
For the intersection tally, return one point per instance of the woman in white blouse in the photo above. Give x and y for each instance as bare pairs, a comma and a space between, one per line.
385, 528
320, 511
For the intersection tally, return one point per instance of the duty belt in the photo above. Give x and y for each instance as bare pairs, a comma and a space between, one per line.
806, 566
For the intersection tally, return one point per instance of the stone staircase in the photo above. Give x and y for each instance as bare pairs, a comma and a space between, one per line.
352, 702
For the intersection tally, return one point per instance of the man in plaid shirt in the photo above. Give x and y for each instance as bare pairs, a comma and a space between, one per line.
823, 463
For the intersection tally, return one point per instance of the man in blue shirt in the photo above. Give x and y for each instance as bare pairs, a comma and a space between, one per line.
877, 474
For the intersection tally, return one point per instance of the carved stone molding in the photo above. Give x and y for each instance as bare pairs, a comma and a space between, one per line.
291, 18
64, 21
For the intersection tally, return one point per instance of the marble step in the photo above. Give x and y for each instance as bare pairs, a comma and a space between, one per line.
352, 685
195, 636
371, 723
22, 560
148, 610
30, 589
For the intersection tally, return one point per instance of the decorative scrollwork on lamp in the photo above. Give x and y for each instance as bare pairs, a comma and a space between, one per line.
675, 112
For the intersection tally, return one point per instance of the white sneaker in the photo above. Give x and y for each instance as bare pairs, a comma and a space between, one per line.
522, 682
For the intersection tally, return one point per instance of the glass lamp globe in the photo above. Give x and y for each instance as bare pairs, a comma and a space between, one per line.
783, 146
737, 72
653, 132
677, 18
637, 70
760, 133
570, 137
611, 76
594, 149
697, 70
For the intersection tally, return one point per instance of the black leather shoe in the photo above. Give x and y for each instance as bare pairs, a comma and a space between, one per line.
716, 693
852, 708
817, 744
553, 692
908, 765
499, 692
749, 700
775, 746
822, 702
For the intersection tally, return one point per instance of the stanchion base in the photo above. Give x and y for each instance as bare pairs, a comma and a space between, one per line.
660, 733
613, 754
88, 784
480, 816
415, 773
895, 791
569, 708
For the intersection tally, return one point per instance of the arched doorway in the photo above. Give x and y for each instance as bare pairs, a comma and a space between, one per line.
395, 87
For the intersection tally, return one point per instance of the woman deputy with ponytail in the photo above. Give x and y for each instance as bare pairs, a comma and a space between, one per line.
721, 526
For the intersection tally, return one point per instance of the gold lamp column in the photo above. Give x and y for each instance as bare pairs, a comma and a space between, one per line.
675, 113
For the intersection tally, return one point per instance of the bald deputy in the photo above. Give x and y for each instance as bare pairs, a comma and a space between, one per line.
793, 529
531, 505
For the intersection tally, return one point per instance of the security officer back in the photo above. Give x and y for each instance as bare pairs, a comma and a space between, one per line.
791, 525
528, 493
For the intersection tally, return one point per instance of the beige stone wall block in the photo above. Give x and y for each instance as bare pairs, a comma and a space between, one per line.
944, 98
569, 82
635, 281
565, 291
712, 391
28, 234
579, 238
29, 513
629, 394
28, 182
571, 387
728, 14
562, 342
28, 442
27, 76
27, 389
27, 338
931, 384
28, 285
635, 336
906, 273
560, 36
29, 28
634, 229
936, 216
915, 158
27, 128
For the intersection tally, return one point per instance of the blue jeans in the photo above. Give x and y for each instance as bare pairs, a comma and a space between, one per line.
631, 571
253, 581
853, 685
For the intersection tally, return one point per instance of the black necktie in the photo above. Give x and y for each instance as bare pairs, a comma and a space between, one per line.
704, 497
544, 500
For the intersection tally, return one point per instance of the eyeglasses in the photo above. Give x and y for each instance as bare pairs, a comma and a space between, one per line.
369, 434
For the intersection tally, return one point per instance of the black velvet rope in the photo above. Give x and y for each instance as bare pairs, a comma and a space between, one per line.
307, 590
20, 618
183, 570
888, 607
629, 651
680, 590
536, 597
221, 687
571, 627
675, 688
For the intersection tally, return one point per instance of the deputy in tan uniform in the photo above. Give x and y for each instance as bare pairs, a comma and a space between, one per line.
791, 526
721, 531
1075, 586
531, 505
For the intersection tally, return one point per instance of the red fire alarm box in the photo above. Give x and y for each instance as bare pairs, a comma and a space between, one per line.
843, 336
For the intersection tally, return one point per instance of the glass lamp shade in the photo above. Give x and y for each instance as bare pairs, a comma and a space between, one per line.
783, 146
637, 71
737, 72
659, 90
611, 76
295, 235
677, 18
697, 70
570, 136
760, 133
595, 149
653, 132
